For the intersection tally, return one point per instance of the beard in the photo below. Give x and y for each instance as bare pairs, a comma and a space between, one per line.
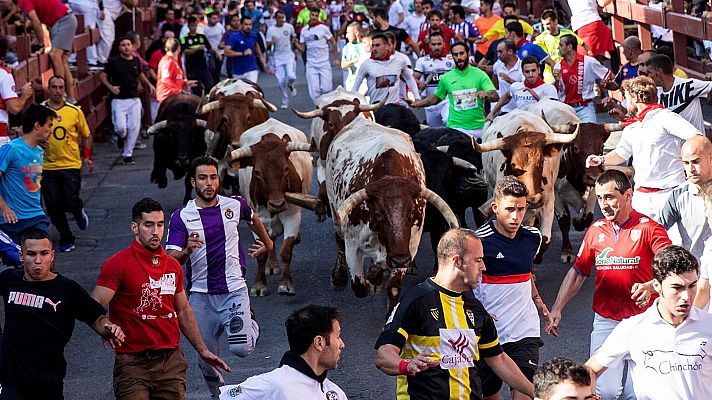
206, 197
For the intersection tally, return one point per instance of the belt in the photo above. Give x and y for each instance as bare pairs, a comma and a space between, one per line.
645, 189
152, 353
580, 104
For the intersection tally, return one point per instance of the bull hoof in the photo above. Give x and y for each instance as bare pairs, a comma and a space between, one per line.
580, 224
361, 288
259, 290
339, 277
567, 258
320, 212
286, 289
274, 270
375, 276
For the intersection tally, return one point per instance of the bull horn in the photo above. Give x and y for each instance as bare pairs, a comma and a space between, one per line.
613, 127
492, 145
299, 146
372, 107
201, 123
561, 128
444, 149
562, 138
309, 114
212, 106
440, 204
157, 127
262, 103
459, 162
302, 200
349, 205
242, 152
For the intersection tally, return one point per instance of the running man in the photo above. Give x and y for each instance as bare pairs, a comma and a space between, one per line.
281, 36
315, 39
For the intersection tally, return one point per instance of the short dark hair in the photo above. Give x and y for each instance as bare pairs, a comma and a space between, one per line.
662, 63
200, 161
433, 13
530, 60
315, 9
612, 175
673, 260
133, 35
245, 18
210, 14
509, 45
36, 113
280, 12
458, 10
516, 27
549, 13
35, 234
558, 370
306, 323
436, 34
55, 77
459, 43
454, 243
122, 38
424, 2
144, 206
666, 50
4, 46
510, 5
488, 2
510, 185
379, 36
511, 18
379, 12
570, 40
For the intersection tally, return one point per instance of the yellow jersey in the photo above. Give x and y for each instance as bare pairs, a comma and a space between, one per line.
63, 145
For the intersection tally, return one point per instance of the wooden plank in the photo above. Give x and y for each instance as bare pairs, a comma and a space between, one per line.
623, 8
33, 67
685, 24
86, 86
646, 39
653, 17
618, 28
20, 74
81, 41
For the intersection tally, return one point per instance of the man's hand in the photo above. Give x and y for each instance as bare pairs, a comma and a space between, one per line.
247, 52
114, 89
548, 319
421, 362
26, 90
490, 116
114, 335
191, 83
505, 78
482, 94
552, 327
421, 85
89, 163
151, 90
214, 360
258, 248
9, 215
194, 242
594, 161
641, 293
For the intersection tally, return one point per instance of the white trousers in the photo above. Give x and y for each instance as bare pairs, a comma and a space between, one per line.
126, 117
437, 115
610, 384
154, 106
319, 80
286, 74
90, 10
107, 31
250, 76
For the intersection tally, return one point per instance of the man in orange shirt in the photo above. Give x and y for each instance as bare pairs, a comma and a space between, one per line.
485, 22
170, 74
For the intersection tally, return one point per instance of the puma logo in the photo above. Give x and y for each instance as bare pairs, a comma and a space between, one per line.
53, 304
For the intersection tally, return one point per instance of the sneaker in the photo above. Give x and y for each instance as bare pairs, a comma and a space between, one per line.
284, 106
129, 161
292, 89
83, 222
140, 145
66, 248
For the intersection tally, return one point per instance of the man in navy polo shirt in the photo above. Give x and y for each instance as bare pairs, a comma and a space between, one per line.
242, 46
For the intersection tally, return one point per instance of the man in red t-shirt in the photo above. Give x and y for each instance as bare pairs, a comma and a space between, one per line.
170, 74
143, 288
62, 24
621, 248
435, 25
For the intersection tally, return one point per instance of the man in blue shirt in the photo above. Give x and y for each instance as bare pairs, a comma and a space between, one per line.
20, 174
254, 14
242, 46
525, 48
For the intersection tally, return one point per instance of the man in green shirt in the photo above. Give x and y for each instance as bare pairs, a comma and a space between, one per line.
549, 40
466, 88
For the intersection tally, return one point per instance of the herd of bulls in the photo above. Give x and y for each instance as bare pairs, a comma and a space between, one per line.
376, 169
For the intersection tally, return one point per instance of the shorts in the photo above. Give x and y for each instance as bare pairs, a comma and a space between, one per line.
16, 230
62, 32
524, 353
155, 374
31, 389
598, 37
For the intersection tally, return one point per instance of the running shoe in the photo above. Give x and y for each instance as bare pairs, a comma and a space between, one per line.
66, 248
83, 222
284, 106
292, 89
129, 161
140, 145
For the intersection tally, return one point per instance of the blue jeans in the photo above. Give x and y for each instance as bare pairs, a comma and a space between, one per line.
16, 230
586, 113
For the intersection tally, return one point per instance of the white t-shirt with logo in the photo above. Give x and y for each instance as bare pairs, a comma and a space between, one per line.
282, 37
521, 97
384, 79
671, 363
283, 383
684, 98
431, 70
514, 73
316, 38
7, 92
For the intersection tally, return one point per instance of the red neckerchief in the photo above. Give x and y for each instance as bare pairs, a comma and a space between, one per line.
314, 24
442, 55
536, 84
521, 42
641, 115
386, 57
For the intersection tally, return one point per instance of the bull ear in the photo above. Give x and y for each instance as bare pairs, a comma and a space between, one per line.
552, 150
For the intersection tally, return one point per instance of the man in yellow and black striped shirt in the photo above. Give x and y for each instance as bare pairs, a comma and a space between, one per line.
439, 330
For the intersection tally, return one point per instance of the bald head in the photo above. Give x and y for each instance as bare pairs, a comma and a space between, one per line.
632, 42
696, 154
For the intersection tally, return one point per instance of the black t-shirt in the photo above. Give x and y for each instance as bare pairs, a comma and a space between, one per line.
39, 321
124, 74
491, 55
195, 61
400, 34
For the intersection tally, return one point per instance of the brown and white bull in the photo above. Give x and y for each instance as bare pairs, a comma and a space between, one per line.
334, 111
376, 187
529, 150
273, 160
574, 186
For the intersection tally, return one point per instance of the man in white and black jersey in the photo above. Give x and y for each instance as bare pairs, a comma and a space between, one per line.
508, 291
430, 68
521, 94
679, 95
204, 236
383, 72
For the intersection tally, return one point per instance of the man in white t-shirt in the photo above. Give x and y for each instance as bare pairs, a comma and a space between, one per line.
214, 31
505, 71
317, 39
413, 21
396, 14
669, 344
383, 72
315, 344
677, 94
533, 89
281, 35
354, 53
430, 68
9, 101
654, 141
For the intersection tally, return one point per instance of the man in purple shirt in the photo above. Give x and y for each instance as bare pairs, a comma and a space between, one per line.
203, 235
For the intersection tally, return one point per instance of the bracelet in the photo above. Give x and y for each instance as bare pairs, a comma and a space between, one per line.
537, 297
87, 153
403, 367
603, 160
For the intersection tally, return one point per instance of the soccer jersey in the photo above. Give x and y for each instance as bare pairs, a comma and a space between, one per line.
514, 73
239, 41
466, 30
219, 265
461, 87
21, 167
550, 44
684, 98
63, 146
455, 327
521, 97
579, 78
484, 24
506, 289
432, 69
7, 92
621, 259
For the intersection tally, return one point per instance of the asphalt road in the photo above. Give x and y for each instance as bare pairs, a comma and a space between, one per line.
113, 188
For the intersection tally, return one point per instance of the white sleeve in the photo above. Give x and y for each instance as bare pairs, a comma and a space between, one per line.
419, 65
624, 148
706, 260
701, 88
360, 75
410, 81
328, 34
595, 68
616, 348
269, 34
301, 36
678, 126
549, 92
7, 86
